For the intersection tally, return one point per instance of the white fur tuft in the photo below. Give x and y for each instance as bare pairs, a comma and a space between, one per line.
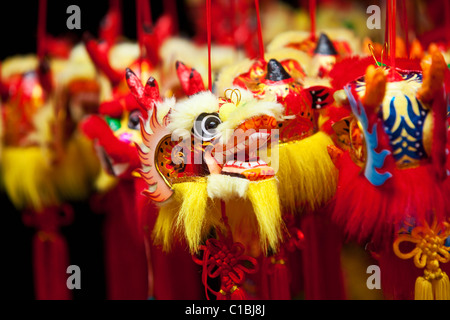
225, 187
184, 113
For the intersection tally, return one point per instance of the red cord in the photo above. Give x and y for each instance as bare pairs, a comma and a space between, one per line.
41, 31
447, 18
147, 13
208, 29
139, 23
405, 25
260, 37
227, 262
392, 27
170, 7
387, 34
312, 16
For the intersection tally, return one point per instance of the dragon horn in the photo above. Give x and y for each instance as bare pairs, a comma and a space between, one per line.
433, 67
145, 96
111, 25
99, 56
190, 79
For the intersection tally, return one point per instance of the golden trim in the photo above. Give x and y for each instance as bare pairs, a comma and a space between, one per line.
233, 289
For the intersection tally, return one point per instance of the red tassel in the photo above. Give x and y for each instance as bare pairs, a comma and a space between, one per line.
439, 143
279, 281
238, 294
321, 258
50, 253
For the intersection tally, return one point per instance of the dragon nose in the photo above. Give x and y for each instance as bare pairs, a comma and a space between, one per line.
126, 137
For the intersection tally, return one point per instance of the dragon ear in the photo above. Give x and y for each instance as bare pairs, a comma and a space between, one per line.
190, 79
145, 96
375, 87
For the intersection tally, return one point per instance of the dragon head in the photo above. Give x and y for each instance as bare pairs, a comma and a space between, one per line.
301, 145
202, 149
116, 130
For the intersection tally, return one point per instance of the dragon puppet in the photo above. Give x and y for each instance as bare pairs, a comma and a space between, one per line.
307, 178
393, 187
214, 190
148, 272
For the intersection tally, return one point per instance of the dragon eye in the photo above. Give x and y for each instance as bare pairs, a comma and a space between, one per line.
205, 126
133, 120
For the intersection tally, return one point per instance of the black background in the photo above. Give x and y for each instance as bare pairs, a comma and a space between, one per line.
18, 21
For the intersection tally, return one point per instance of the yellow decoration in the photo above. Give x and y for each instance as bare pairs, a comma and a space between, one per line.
265, 201
26, 177
428, 253
189, 212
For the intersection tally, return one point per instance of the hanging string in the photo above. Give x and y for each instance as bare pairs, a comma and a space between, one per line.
41, 30
404, 14
447, 19
233, 26
146, 14
312, 18
116, 5
387, 29
139, 22
143, 19
170, 7
208, 29
260, 37
392, 31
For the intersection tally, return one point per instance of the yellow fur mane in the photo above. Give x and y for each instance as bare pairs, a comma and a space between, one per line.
306, 173
191, 214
